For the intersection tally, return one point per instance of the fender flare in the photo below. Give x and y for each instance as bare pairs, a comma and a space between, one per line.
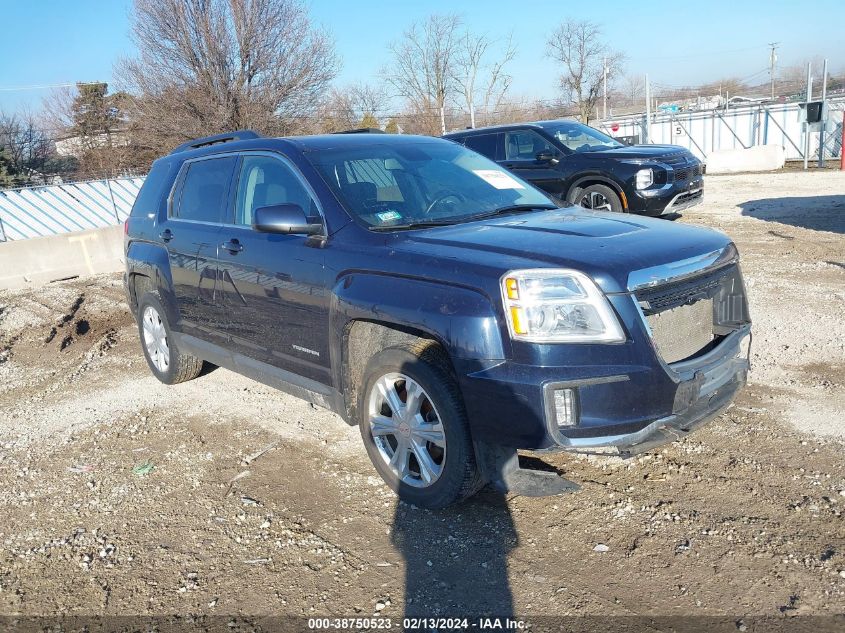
153, 261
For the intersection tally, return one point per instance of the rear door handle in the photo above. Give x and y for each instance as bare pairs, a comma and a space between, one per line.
166, 235
233, 246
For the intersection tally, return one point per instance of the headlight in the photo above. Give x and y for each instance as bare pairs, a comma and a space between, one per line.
645, 178
547, 305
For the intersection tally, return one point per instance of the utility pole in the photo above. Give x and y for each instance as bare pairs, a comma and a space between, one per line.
647, 111
822, 130
604, 67
806, 124
772, 60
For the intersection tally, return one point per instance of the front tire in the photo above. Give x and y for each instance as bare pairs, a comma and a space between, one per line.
598, 198
414, 426
166, 361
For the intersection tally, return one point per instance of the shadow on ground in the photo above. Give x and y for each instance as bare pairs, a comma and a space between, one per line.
456, 559
818, 213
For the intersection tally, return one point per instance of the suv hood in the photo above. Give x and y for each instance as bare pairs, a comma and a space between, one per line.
605, 246
638, 151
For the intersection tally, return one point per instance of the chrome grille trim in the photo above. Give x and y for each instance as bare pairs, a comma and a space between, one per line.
681, 269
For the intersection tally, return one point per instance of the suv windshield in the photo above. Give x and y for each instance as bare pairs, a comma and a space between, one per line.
577, 137
419, 182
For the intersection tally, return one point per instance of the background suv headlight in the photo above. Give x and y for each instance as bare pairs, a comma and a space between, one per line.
645, 178
547, 305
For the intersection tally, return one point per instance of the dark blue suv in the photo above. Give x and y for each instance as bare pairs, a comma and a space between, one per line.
442, 304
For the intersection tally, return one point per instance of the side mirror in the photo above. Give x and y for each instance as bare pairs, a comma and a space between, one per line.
284, 218
546, 156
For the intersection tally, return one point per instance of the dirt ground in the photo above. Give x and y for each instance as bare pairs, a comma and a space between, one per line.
119, 495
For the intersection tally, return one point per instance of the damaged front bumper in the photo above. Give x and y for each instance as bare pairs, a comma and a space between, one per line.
706, 387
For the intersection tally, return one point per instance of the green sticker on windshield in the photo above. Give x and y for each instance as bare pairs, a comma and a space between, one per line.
389, 216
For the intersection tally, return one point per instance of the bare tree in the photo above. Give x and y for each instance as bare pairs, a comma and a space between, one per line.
207, 66
633, 88
351, 107
578, 46
479, 78
28, 150
423, 67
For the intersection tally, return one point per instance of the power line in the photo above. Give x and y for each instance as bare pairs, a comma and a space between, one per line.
47, 86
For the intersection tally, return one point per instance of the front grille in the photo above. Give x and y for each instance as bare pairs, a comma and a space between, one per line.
686, 291
682, 332
682, 315
687, 173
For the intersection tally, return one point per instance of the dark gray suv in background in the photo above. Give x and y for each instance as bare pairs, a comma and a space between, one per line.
581, 165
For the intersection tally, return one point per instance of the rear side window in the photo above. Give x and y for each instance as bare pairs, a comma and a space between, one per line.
153, 191
484, 144
204, 189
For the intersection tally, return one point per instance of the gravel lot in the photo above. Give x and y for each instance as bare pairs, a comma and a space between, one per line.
120, 495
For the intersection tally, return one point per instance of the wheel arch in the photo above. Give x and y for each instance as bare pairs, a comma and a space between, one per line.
371, 312
152, 262
363, 339
596, 179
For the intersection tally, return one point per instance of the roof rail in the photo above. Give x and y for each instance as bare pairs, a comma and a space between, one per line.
239, 135
362, 130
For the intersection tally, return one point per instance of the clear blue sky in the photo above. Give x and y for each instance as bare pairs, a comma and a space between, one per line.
48, 42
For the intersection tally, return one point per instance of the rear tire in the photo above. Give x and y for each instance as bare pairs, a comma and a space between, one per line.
170, 365
598, 198
414, 426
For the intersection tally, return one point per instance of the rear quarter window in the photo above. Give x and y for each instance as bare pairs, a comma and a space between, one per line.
155, 188
484, 144
203, 194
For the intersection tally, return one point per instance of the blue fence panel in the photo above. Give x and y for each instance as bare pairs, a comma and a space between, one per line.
53, 209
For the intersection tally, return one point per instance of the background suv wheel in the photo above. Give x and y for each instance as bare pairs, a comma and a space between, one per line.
598, 198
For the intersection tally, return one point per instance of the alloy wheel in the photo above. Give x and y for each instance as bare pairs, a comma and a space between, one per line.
407, 430
155, 339
596, 201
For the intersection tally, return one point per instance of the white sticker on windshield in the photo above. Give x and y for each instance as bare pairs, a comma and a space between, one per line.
498, 179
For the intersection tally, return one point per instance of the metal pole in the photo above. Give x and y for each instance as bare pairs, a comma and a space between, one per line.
842, 146
114, 206
772, 59
821, 132
647, 111
604, 70
806, 124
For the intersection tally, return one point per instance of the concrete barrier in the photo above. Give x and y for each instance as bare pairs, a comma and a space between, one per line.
757, 158
40, 260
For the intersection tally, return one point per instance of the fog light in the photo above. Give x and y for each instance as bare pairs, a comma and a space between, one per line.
566, 407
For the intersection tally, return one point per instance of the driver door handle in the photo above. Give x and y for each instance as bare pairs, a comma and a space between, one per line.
166, 235
233, 246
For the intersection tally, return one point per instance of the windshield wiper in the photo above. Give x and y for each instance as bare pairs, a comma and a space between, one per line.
412, 225
514, 208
